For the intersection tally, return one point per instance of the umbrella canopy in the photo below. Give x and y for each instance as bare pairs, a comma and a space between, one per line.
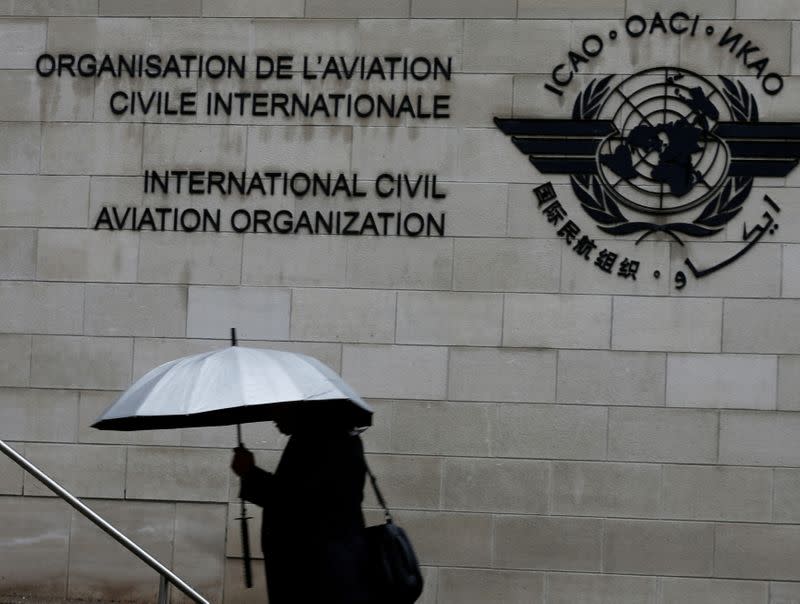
232, 386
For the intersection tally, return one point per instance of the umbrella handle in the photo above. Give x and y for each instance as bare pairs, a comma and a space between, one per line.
248, 571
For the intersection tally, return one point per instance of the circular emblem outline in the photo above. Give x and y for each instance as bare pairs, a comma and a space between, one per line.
720, 205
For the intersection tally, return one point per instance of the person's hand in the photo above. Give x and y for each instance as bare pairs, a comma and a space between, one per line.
243, 461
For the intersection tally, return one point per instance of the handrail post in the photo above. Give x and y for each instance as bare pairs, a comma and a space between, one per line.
167, 576
163, 590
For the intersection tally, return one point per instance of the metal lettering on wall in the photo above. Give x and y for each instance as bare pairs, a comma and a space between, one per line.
664, 150
267, 184
392, 191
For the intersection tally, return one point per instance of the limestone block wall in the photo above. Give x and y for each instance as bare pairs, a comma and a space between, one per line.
546, 433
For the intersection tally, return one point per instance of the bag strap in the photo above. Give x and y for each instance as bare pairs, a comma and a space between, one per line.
378, 493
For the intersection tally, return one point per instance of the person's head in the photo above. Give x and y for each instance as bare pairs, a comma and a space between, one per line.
286, 425
316, 421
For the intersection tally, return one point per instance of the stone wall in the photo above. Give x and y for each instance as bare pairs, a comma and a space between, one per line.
546, 432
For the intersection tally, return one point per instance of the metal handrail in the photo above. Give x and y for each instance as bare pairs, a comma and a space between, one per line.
167, 576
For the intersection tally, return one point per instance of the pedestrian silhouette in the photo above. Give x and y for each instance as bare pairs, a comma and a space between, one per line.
312, 534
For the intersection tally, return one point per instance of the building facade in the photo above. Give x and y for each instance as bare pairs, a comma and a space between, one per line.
555, 244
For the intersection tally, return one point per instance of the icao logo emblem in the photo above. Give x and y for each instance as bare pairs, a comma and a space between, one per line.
665, 150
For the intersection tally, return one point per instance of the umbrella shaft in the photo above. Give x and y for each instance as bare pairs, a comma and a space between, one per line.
248, 571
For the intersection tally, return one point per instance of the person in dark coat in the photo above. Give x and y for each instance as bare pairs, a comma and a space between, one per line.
312, 532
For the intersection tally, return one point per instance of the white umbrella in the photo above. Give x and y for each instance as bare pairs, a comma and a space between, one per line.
231, 386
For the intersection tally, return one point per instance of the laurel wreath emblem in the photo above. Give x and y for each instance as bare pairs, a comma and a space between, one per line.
599, 203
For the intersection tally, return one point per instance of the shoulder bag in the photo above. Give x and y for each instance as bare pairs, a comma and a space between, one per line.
396, 575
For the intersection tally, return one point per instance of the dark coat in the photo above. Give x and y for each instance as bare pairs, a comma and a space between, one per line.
313, 527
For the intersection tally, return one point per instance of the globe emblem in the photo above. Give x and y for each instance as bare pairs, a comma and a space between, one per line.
664, 157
